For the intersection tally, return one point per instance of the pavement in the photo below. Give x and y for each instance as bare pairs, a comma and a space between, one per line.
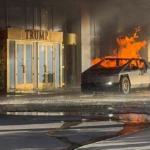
53, 133
76, 102
135, 141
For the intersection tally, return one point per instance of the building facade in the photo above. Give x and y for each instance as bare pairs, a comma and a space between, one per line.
39, 50
47, 44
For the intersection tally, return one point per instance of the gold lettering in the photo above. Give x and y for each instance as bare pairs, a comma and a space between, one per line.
46, 34
36, 35
41, 37
31, 35
26, 33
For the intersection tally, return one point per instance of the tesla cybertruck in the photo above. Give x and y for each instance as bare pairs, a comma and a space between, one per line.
121, 74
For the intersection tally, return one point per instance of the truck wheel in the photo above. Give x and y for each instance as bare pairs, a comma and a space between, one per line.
125, 85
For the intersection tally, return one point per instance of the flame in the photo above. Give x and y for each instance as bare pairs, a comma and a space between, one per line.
128, 48
95, 61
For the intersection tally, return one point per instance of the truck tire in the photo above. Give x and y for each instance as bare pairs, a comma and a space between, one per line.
125, 85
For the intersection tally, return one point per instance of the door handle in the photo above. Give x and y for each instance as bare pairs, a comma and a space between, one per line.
45, 68
24, 69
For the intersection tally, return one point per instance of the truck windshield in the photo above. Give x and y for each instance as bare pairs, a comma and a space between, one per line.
112, 63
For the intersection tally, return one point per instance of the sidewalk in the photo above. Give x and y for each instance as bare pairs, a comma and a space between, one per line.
134, 141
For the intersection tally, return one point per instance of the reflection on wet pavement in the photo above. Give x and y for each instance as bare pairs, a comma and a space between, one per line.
97, 129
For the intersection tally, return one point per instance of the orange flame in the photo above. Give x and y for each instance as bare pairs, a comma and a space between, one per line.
128, 48
95, 61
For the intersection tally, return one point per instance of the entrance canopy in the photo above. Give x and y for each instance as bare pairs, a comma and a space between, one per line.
34, 35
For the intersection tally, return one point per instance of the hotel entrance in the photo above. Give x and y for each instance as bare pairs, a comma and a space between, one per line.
24, 65
45, 66
34, 64
41, 66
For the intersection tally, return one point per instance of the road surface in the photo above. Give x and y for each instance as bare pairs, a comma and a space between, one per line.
134, 141
53, 132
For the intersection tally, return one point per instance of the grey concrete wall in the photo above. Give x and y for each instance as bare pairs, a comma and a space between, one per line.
120, 22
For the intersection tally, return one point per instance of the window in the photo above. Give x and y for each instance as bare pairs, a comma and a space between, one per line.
133, 65
141, 64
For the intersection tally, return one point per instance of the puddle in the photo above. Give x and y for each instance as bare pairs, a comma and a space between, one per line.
132, 123
133, 127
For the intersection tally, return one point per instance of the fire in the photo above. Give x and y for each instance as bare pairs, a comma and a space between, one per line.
95, 61
128, 48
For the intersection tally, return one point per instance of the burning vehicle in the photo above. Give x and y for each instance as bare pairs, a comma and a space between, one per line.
125, 70
122, 74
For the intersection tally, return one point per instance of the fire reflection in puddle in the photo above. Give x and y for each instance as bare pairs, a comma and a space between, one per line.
133, 127
133, 123
133, 118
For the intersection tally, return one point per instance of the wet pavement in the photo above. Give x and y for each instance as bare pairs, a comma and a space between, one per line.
53, 133
78, 103
138, 140
64, 132
83, 119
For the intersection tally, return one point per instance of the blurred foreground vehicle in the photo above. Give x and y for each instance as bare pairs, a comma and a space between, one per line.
121, 74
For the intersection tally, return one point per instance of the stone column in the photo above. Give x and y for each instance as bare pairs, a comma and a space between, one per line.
85, 39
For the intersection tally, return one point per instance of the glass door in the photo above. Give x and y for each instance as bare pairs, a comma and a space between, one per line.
45, 66
24, 65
